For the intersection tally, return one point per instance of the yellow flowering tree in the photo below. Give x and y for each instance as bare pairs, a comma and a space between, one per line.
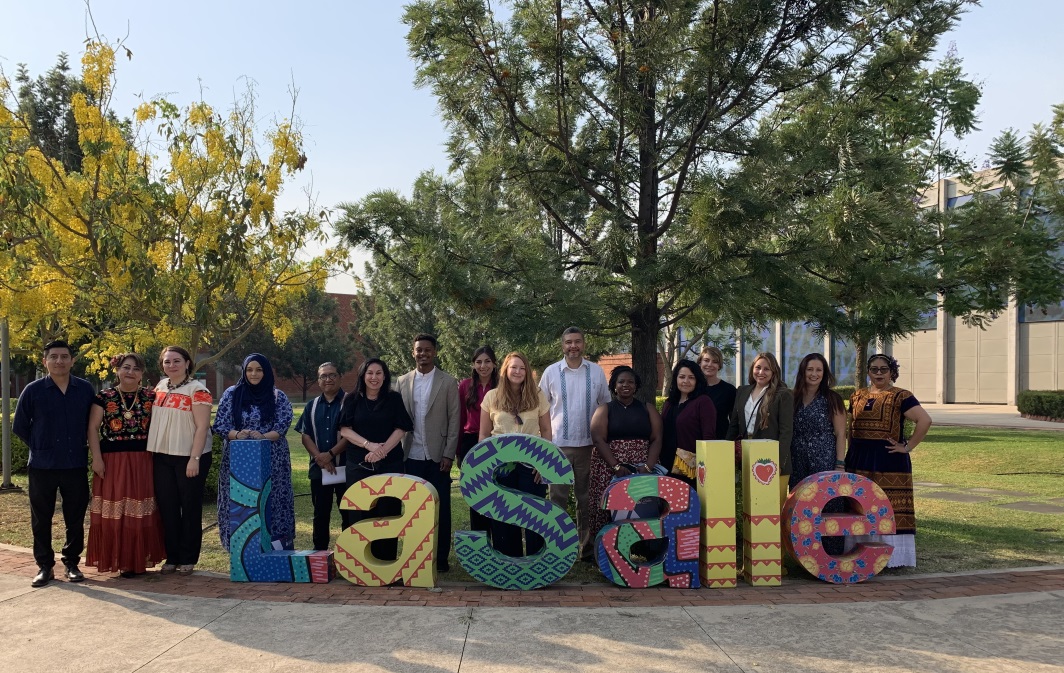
167, 232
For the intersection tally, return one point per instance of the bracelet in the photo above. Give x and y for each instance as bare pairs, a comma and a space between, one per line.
616, 468
194, 457
840, 463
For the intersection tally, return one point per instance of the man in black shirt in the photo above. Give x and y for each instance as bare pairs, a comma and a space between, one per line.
320, 430
52, 417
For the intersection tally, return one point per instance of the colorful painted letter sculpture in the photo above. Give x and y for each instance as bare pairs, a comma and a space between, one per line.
416, 527
716, 493
678, 525
252, 557
538, 515
762, 552
807, 526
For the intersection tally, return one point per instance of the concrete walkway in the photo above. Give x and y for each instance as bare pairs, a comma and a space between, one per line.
94, 627
987, 416
1000, 621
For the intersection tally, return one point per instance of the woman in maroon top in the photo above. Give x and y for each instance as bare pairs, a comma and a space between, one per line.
471, 392
687, 416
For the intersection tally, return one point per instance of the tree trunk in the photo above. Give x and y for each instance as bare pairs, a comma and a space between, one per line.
860, 369
645, 321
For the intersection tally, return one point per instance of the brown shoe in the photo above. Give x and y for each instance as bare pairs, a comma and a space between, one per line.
168, 569
185, 569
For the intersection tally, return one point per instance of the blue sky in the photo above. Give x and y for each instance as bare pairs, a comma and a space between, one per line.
367, 126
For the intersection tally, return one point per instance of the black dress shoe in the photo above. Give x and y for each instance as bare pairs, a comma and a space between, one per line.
43, 577
443, 568
73, 574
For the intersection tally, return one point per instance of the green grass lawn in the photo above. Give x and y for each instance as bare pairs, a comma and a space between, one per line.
951, 536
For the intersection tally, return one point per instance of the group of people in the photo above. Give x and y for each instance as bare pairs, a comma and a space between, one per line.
151, 451
151, 448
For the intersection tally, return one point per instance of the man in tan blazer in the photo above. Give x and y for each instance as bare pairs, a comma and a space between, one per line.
431, 398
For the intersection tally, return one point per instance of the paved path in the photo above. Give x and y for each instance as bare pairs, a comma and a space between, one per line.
1001, 622
99, 627
986, 415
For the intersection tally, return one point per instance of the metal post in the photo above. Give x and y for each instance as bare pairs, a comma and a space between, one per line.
5, 407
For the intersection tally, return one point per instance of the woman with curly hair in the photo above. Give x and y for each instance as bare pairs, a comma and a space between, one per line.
125, 531
880, 450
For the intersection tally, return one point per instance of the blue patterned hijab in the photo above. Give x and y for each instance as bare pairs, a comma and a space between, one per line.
246, 395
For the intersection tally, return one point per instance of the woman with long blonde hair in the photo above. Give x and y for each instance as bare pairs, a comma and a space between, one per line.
516, 406
764, 409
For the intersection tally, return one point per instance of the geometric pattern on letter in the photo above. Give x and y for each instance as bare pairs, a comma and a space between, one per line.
762, 552
539, 515
806, 526
715, 478
415, 526
251, 556
678, 525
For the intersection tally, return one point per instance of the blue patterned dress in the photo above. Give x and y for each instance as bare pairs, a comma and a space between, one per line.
281, 501
813, 442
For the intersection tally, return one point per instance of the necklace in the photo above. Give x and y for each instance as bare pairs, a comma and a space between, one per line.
170, 385
127, 412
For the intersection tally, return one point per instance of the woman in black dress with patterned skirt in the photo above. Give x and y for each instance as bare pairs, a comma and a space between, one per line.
626, 434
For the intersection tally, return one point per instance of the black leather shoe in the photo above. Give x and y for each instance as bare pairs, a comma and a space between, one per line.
73, 574
43, 577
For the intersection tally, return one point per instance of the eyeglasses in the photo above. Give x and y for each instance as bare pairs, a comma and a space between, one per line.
130, 368
368, 467
878, 370
327, 377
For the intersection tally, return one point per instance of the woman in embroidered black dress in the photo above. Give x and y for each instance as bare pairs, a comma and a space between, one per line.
125, 530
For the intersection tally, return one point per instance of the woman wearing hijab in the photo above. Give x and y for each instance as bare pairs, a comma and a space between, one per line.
255, 409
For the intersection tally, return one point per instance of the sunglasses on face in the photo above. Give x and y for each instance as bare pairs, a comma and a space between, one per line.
878, 370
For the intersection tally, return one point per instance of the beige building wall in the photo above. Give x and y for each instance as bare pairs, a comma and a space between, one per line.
917, 357
977, 366
1042, 356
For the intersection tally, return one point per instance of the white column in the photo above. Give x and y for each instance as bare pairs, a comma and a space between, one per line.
1012, 352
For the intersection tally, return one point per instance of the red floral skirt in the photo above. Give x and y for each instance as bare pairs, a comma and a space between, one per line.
125, 530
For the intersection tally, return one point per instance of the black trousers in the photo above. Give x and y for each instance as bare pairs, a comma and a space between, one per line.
387, 549
506, 537
73, 486
477, 521
180, 503
429, 470
323, 498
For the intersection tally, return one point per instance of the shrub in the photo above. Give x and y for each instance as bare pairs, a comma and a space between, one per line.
845, 392
659, 402
20, 455
210, 487
1043, 403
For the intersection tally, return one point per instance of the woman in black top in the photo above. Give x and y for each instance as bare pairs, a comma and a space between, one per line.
374, 420
721, 393
626, 434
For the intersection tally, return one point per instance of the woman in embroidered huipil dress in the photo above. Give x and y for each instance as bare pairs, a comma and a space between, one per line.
880, 451
125, 531
255, 409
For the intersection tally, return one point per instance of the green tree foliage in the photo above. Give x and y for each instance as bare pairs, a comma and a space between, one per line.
316, 336
580, 131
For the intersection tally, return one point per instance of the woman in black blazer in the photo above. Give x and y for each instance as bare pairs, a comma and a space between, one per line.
764, 409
